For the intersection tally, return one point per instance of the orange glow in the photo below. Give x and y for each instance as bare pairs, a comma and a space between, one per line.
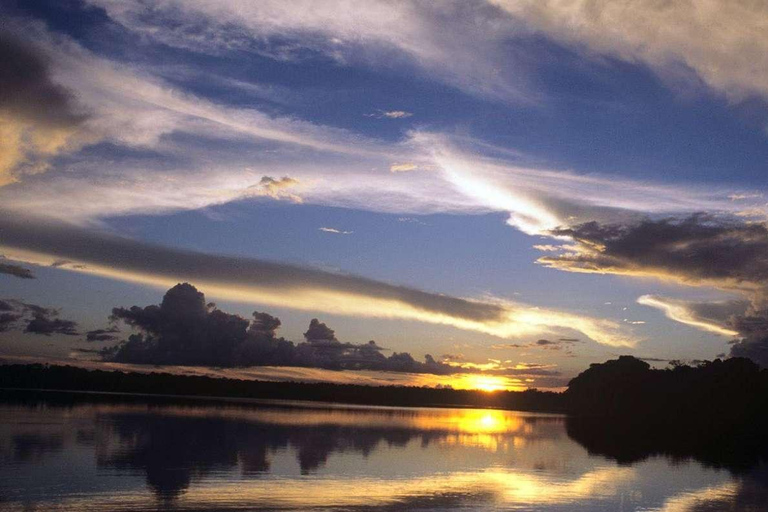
487, 383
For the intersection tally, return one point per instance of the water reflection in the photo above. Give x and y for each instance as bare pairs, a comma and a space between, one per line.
132, 456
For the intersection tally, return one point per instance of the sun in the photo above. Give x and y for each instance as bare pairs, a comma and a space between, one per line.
486, 383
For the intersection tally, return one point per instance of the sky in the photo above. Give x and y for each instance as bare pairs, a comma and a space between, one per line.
489, 194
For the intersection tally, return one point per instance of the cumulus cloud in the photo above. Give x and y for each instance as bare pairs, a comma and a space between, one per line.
186, 330
247, 279
34, 319
16, 270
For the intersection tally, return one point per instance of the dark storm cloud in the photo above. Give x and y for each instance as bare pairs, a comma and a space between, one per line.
724, 252
697, 248
653, 360
67, 242
8, 321
36, 319
102, 334
319, 332
27, 89
47, 324
753, 336
16, 270
184, 330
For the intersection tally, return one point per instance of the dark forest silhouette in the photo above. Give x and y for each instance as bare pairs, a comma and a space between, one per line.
715, 412
37, 376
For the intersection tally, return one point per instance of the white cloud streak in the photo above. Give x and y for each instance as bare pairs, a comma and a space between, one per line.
711, 316
335, 231
456, 42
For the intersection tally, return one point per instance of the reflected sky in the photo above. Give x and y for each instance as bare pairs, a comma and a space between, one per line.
278, 456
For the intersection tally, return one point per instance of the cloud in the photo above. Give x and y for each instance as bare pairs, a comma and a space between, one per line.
463, 44
752, 329
7, 321
186, 330
698, 249
277, 284
540, 200
406, 167
565, 344
45, 324
335, 231
35, 319
390, 114
109, 334
38, 116
185, 140
667, 36
16, 270
712, 316
277, 189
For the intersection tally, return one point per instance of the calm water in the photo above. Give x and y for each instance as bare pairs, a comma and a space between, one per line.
270, 456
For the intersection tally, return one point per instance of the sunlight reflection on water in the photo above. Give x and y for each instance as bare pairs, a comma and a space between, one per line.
275, 456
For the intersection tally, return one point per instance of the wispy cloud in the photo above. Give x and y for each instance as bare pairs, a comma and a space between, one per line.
404, 167
712, 316
335, 231
458, 43
732, 59
390, 114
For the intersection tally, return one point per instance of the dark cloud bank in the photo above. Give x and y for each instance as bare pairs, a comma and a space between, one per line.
15, 315
27, 89
700, 249
16, 271
72, 243
185, 330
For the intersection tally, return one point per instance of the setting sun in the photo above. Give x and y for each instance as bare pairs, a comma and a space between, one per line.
486, 383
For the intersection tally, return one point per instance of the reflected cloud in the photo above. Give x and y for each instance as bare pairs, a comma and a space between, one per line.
232, 456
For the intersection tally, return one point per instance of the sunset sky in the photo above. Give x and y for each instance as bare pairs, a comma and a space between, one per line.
515, 189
